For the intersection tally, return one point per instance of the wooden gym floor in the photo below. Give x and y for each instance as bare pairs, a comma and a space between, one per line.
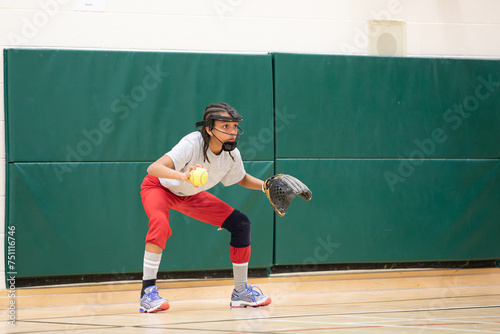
408, 301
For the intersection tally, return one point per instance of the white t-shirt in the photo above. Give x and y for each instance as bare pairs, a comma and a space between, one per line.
221, 168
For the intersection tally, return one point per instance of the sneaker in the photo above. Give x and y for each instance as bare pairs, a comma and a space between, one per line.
249, 297
152, 302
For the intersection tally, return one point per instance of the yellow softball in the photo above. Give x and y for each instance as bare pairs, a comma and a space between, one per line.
199, 176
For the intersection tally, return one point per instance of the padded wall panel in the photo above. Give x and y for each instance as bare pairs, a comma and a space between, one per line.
93, 221
353, 106
445, 210
67, 105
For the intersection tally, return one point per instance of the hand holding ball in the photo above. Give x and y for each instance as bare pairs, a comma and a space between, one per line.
199, 176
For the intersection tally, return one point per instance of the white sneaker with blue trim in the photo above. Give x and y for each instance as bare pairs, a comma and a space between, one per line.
152, 302
249, 297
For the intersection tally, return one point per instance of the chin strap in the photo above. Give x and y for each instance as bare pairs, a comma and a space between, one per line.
229, 145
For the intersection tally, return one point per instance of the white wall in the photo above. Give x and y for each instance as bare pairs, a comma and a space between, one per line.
435, 28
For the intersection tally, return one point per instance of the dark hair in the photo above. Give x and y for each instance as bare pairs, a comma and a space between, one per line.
217, 108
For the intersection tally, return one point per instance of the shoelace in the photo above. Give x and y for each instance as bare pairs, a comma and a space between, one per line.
153, 295
254, 292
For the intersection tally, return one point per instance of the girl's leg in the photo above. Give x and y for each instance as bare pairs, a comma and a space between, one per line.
212, 210
157, 202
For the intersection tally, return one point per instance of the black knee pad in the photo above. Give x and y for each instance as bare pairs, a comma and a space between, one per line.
239, 225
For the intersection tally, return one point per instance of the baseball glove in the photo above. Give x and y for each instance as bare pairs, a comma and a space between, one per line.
281, 189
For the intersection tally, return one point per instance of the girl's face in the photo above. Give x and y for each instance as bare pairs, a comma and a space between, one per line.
225, 131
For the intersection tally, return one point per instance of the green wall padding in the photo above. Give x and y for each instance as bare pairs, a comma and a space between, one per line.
371, 107
401, 154
81, 128
65, 105
446, 211
94, 222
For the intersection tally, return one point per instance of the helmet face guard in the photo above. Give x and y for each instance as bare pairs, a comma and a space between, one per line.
209, 121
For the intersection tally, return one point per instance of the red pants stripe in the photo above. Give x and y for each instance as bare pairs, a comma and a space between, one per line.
158, 200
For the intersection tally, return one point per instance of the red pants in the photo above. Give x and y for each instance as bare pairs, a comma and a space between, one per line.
158, 200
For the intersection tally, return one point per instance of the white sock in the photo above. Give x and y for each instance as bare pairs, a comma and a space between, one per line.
240, 274
151, 265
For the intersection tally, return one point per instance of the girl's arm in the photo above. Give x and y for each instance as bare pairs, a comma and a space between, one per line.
250, 182
162, 168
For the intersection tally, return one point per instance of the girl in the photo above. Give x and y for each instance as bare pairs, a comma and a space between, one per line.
167, 186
